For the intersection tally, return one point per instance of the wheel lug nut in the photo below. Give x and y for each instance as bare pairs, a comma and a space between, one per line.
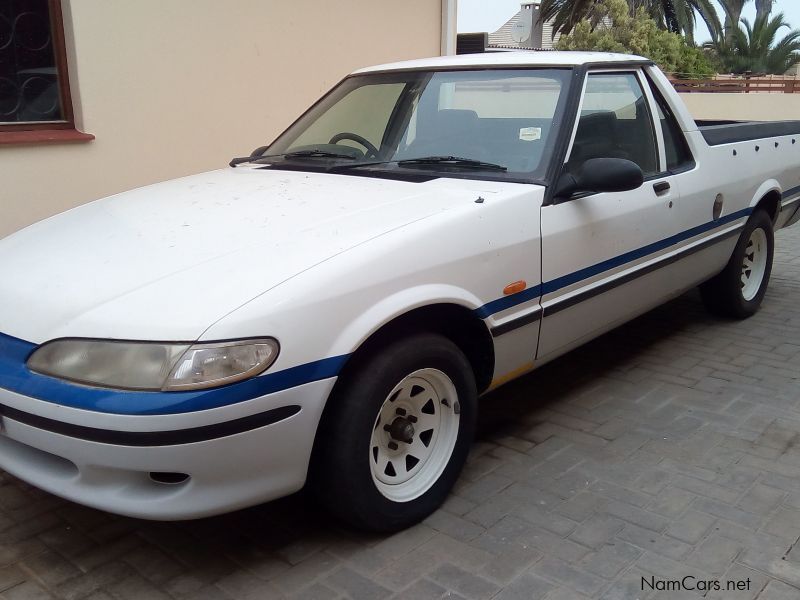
393, 446
387, 427
401, 412
412, 418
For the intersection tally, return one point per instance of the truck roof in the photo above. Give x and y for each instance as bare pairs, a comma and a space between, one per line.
533, 58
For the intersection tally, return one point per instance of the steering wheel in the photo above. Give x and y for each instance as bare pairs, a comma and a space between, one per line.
372, 151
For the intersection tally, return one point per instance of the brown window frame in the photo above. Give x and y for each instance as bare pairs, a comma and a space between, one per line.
50, 131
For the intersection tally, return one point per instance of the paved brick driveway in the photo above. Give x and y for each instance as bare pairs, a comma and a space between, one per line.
668, 448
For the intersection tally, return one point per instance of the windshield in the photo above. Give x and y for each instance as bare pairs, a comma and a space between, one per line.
495, 123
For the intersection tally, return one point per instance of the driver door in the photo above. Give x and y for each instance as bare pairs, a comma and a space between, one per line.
595, 247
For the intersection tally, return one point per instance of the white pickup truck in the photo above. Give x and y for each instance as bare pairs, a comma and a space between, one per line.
330, 308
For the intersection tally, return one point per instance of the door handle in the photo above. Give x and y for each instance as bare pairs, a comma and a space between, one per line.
661, 188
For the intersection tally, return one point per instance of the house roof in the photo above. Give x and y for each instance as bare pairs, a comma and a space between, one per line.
502, 37
533, 58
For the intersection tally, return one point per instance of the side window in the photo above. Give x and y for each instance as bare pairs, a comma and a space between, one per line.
615, 122
675, 147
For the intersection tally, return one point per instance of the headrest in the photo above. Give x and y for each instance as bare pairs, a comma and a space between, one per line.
599, 123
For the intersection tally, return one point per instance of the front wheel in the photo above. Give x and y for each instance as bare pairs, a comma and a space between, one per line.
397, 434
739, 289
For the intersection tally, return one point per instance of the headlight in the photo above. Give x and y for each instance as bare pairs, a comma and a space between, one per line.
153, 366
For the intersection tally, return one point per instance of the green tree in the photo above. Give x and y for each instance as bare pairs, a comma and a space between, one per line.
756, 49
638, 34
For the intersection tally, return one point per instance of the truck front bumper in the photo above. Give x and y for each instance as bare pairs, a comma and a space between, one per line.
165, 467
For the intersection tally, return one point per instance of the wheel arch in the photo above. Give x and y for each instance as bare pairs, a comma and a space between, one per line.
456, 322
768, 198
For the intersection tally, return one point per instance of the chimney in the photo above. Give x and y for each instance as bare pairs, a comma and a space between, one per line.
527, 32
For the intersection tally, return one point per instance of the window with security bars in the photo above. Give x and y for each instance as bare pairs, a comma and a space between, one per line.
34, 90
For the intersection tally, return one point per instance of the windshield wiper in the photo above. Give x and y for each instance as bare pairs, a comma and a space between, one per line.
454, 161
296, 154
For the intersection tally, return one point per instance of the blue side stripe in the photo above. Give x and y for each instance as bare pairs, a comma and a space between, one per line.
789, 193
15, 377
558, 283
606, 265
508, 301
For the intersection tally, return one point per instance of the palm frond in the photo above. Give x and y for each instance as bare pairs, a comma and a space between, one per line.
754, 47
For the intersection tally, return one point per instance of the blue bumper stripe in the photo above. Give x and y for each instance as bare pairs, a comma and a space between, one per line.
15, 377
548, 287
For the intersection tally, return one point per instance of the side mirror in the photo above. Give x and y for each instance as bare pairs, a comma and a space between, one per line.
601, 175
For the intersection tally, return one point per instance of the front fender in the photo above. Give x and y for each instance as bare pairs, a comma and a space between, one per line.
355, 333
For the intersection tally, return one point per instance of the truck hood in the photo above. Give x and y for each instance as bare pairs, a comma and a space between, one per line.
166, 261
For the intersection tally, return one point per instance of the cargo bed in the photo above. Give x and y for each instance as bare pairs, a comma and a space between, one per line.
717, 133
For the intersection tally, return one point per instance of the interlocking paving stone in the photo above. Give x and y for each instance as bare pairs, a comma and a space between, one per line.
526, 587
668, 447
776, 590
611, 559
355, 585
568, 575
423, 589
691, 527
463, 582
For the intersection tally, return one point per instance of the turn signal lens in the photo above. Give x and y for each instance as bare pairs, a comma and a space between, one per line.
513, 288
210, 365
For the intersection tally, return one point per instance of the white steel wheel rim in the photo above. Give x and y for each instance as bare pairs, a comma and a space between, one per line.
754, 264
414, 435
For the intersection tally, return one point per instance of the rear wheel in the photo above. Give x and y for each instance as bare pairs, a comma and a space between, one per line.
739, 289
397, 434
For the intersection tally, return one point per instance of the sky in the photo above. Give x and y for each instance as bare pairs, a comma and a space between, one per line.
489, 15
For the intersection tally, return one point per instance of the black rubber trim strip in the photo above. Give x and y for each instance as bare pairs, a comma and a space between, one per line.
790, 203
610, 285
152, 438
795, 216
716, 135
531, 317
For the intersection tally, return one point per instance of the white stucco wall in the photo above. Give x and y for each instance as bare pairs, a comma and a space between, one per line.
177, 87
744, 107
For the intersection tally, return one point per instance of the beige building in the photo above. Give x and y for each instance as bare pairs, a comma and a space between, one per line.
147, 90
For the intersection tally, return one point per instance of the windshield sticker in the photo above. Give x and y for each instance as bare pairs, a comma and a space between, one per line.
530, 134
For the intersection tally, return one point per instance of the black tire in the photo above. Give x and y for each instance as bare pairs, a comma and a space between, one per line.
341, 476
723, 294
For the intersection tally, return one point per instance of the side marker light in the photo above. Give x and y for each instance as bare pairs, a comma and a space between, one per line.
513, 288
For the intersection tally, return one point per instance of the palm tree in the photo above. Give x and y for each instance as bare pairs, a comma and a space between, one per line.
565, 14
678, 16
763, 7
733, 14
756, 49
